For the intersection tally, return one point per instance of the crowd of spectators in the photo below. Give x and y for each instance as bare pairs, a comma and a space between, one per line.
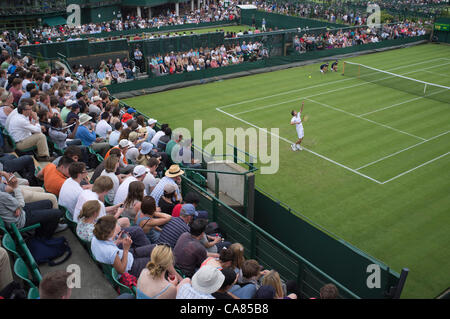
132, 210
205, 58
211, 13
355, 12
346, 38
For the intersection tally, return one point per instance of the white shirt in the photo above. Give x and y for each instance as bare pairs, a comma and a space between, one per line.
157, 136
112, 193
86, 195
68, 195
24, 84
103, 128
122, 191
10, 116
21, 128
114, 138
298, 122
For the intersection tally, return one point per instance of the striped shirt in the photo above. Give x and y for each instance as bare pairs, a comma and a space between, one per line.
172, 231
158, 191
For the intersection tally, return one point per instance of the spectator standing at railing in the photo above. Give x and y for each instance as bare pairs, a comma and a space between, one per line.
138, 57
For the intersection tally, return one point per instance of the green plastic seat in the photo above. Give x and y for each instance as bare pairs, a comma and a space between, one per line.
33, 293
10, 245
21, 270
122, 288
68, 217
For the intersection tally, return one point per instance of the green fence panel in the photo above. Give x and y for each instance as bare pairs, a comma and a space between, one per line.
280, 21
335, 257
107, 46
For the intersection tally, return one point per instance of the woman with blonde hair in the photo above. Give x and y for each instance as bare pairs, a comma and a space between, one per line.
273, 279
238, 259
158, 280
87, 218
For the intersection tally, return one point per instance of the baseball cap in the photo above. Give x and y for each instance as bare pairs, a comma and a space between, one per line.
151, 121
124, 143
69, 103
188, 210
96, 98
140, 170
131, 110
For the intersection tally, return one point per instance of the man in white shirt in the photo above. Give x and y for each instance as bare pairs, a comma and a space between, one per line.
71, 189
26, 131
150, 129
114, 136
103, 129
101, 187
159, 134
297, 121
139, 173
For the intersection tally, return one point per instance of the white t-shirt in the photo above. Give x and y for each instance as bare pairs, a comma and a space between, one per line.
122, 191
114, 138
86, 195
68, 195
298, 122
112, 193
103, 128
157, 136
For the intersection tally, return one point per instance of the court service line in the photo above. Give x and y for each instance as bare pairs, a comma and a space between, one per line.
435, 73
401, 151
365, 119
404, 102
317, 94
413, 169
290, 142
325, 84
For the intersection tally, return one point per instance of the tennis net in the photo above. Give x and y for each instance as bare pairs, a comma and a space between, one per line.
399, 82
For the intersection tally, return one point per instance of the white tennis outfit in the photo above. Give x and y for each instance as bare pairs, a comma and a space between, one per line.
298, 125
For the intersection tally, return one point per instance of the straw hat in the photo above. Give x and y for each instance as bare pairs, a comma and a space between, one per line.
174, 171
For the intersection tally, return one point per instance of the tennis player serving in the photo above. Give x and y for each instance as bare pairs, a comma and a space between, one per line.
297, 121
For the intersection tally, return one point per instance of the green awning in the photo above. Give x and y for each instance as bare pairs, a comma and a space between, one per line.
54, 21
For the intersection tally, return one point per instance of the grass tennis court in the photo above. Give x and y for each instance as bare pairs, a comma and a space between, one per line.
376, 167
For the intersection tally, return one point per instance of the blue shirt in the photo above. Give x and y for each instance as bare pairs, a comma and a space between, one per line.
105, 251
86, 137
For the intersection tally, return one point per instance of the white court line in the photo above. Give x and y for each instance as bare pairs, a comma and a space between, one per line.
412, 169
317, 94
368, 120
290, 142
324, 84
401, 151
404, 102
447, 76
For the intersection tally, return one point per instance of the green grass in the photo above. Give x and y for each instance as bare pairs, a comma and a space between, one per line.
403, 222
